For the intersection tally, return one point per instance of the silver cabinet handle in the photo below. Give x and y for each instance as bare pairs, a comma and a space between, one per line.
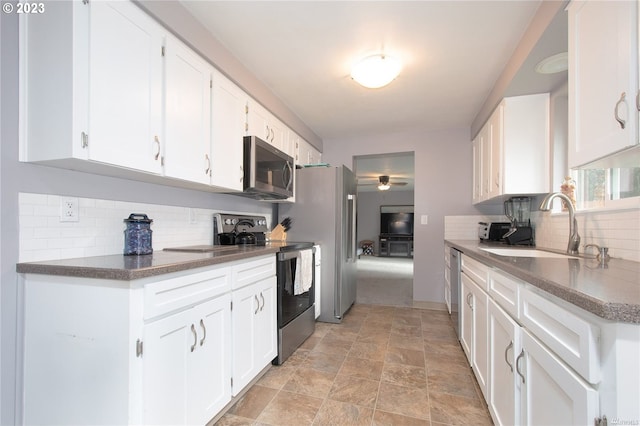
207, 170
469, 295
615, 111
157, 141
518, 365
506, 359
195, 338
261, 298
241, 173
255, 296
84, 140
638, 101
204, 332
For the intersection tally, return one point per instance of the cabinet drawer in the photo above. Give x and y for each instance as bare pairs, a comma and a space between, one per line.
505, 290
176, 293
475, 270
252, 271
572, 338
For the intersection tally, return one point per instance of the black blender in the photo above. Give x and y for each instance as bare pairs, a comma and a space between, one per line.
518, 211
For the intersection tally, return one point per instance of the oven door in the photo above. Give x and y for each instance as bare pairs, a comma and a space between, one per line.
295, 294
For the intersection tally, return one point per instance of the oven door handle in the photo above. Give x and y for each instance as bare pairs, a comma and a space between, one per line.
288, 255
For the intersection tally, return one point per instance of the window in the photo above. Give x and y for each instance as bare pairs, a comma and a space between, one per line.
597, 188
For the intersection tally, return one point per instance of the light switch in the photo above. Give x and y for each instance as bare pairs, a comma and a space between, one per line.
424, 219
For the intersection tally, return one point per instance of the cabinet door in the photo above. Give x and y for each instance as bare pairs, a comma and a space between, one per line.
278, 134
246, 305
167, 352
187, 145
552, 394
466, 316
210, 363
603, 65
477, 168
257, 118
125, 86
228, 128
494, 147
480, 345
266, 323
504, 347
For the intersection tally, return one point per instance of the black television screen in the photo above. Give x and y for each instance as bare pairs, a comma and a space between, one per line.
396, 223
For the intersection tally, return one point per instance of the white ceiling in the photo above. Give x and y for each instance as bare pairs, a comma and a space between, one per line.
453, 53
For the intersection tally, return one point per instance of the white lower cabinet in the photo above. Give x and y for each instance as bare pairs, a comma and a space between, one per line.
254, 326
504, 391
475, 330
196, 345
158, 350
466, 317
542, 361
474, 316
552, 394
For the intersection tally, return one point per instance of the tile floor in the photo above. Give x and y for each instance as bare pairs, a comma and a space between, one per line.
382, 366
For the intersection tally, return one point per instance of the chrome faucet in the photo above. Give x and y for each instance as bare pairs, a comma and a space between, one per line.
574, 238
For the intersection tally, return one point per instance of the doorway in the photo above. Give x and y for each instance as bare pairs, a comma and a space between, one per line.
383, 278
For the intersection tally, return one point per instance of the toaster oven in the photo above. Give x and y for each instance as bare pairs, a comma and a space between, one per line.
492, 231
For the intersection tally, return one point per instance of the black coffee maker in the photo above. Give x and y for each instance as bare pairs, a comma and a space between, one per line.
518, 211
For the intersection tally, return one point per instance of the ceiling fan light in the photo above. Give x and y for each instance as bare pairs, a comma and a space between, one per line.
375, 71
384, 187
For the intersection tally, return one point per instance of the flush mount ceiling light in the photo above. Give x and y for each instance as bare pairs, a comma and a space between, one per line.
553, 64
384, 183
376, 70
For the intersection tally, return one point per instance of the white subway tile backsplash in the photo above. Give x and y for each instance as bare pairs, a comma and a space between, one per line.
619, 230
100, 228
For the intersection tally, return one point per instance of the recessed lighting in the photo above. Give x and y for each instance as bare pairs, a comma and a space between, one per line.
376, 70
553, 64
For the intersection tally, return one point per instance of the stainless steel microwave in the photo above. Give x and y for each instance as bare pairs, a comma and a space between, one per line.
268, 172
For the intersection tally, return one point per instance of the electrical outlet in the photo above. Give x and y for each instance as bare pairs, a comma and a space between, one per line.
69, 211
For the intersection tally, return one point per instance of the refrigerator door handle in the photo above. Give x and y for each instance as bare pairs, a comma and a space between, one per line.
352, 234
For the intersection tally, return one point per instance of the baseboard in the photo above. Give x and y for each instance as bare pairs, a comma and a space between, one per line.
433, 306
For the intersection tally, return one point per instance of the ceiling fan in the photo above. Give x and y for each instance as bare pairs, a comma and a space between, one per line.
383, 183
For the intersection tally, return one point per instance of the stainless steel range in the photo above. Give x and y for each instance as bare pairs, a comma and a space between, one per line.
295, 276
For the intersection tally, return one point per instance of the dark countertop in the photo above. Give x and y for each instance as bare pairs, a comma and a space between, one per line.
612, 293
127, 268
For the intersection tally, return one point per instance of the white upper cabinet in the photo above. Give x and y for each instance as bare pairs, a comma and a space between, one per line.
103, 107
511, 152
122, 96
125, 93
187, 145
479, 167
603, 79
263, 124
305, 153
228, 129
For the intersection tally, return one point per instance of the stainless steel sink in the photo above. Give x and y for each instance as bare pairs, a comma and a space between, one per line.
526, 252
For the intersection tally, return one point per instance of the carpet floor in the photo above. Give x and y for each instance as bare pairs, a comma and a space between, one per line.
385, 281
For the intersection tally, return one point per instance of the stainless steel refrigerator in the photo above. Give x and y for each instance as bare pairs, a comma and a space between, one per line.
325, 212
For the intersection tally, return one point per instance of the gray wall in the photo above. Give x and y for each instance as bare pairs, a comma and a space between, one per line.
369, 211
443, 171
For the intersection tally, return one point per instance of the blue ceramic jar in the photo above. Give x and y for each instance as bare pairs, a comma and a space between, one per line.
137, 235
